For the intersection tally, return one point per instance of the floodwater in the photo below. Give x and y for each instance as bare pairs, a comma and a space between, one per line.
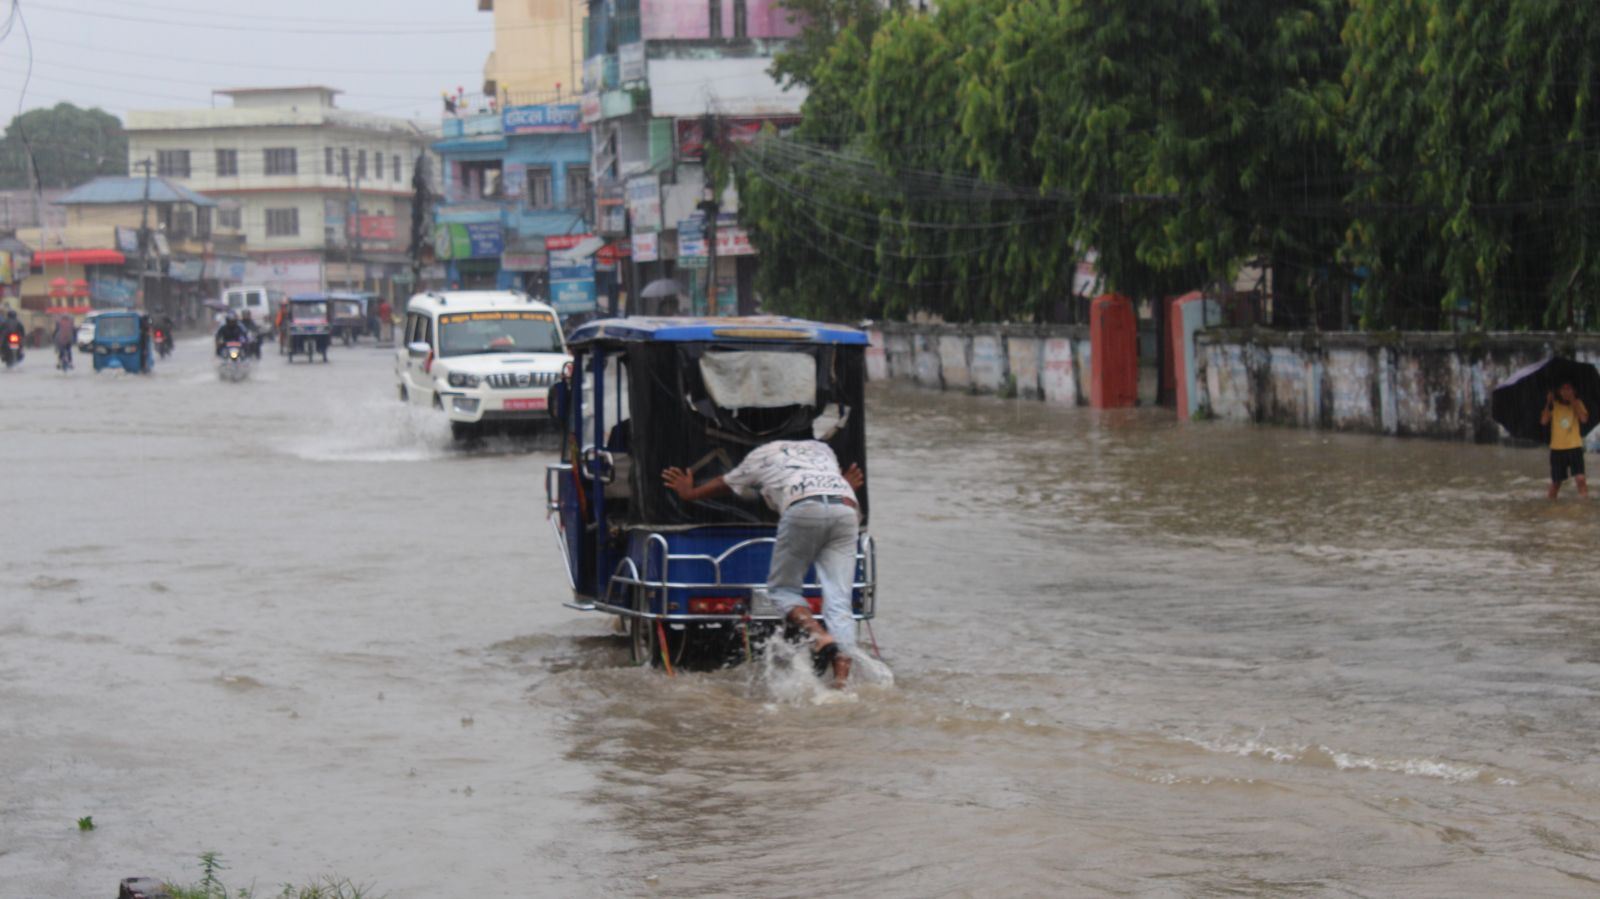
285, 621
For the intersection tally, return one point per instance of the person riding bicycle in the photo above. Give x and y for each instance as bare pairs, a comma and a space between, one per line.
66, 334
253, 330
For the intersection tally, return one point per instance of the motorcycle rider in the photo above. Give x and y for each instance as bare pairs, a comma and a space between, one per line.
13, 325
253, 341
66, 334
231, 330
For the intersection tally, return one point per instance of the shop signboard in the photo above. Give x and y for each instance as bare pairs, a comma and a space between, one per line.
691, 138
646, 247
290, 273
590, 104
188, 271
630, 62
557, 242
733, 240
547, 118
523, 262
114, 290
127, 241
643, 194
473, 240
572, 285
378, 227
692, 252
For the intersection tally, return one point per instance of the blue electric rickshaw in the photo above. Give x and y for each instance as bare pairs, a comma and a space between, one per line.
122, 340
648, 393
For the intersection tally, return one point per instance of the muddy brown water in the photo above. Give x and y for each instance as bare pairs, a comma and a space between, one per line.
285, 621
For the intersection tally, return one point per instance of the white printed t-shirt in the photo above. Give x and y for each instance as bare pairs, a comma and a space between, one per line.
788, 470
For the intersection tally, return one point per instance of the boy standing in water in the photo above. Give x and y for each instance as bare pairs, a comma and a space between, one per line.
1565, 413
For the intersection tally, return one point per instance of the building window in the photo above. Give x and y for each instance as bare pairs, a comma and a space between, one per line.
396, 162
578, 187
344, 161
716, 18
172, 163
181, 224
280, 160
202, 219
327, 160
539, 183
230, 218
377, 166
227, 163
361, 163
283, 222
741, 24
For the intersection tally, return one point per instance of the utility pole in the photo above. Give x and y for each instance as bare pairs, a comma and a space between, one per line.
144, 234
352, 235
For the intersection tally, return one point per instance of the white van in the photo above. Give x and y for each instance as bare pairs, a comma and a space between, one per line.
482, 357
254, 300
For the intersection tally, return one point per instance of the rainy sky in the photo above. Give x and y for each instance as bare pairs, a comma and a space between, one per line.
389, 56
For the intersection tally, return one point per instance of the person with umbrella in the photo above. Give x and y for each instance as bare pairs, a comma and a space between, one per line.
1565, 415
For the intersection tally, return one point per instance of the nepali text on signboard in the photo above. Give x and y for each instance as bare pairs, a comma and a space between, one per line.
692, 252
475, 240
572, 285
548, 118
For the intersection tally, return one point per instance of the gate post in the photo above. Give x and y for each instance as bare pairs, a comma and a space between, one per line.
1113, 353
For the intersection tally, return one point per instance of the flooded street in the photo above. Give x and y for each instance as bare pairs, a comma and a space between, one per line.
284, 620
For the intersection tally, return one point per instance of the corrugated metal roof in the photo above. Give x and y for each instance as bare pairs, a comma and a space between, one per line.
118, 190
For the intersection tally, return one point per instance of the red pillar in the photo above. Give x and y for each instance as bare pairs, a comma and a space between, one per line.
1113, 353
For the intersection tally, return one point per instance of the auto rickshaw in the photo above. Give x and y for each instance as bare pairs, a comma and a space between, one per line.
306, 326
122, 340
688, 580
348, 314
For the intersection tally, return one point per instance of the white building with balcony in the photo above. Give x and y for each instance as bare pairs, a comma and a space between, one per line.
322, 194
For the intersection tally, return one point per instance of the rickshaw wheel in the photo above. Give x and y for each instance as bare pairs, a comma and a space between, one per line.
641, 641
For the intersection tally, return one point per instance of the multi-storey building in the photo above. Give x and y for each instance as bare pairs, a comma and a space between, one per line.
664, 79
538, 50
322, 194
514, 184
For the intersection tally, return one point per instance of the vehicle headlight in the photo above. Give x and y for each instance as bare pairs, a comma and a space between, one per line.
461, 379
464, 404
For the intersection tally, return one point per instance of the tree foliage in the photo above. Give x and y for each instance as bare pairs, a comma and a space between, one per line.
70, 146
1471, 139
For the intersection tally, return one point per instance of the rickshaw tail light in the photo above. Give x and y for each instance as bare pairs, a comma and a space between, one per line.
714, 605
815, 602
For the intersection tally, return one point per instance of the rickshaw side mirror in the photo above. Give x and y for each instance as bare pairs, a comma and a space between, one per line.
556, 401
418, 348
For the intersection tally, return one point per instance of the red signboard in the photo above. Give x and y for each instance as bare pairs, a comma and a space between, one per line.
565, 241
692, 139
378, 227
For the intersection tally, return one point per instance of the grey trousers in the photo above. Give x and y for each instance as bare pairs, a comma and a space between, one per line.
824, 535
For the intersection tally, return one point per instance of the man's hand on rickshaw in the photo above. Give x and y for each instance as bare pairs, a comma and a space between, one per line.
681, 482
855, 477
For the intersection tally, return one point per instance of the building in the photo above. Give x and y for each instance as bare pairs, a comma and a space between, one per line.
139, 242
514, 184
663, 80
538, 50
322, 194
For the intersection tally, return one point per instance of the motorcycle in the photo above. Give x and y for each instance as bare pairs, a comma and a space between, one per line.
163, 342
233, 362
11, 350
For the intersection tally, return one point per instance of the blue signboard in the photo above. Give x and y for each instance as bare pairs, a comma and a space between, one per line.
486, 239
572, 285
114, 290
549, 118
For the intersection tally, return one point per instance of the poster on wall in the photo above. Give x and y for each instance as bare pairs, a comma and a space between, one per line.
646, 247
643, 195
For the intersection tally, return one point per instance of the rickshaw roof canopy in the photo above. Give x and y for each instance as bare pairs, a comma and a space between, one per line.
312, 297
709, 330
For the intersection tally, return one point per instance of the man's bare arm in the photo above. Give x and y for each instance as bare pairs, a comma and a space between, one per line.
681, 482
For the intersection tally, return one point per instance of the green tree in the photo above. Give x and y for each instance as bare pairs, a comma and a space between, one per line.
1471, 138
70, 146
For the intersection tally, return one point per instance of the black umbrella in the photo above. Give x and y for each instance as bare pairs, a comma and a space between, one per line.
1519, 400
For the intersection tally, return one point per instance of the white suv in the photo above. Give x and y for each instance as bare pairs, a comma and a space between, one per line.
484, 358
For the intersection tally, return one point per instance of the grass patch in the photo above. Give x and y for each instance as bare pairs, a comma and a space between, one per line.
210, 886
86, 823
